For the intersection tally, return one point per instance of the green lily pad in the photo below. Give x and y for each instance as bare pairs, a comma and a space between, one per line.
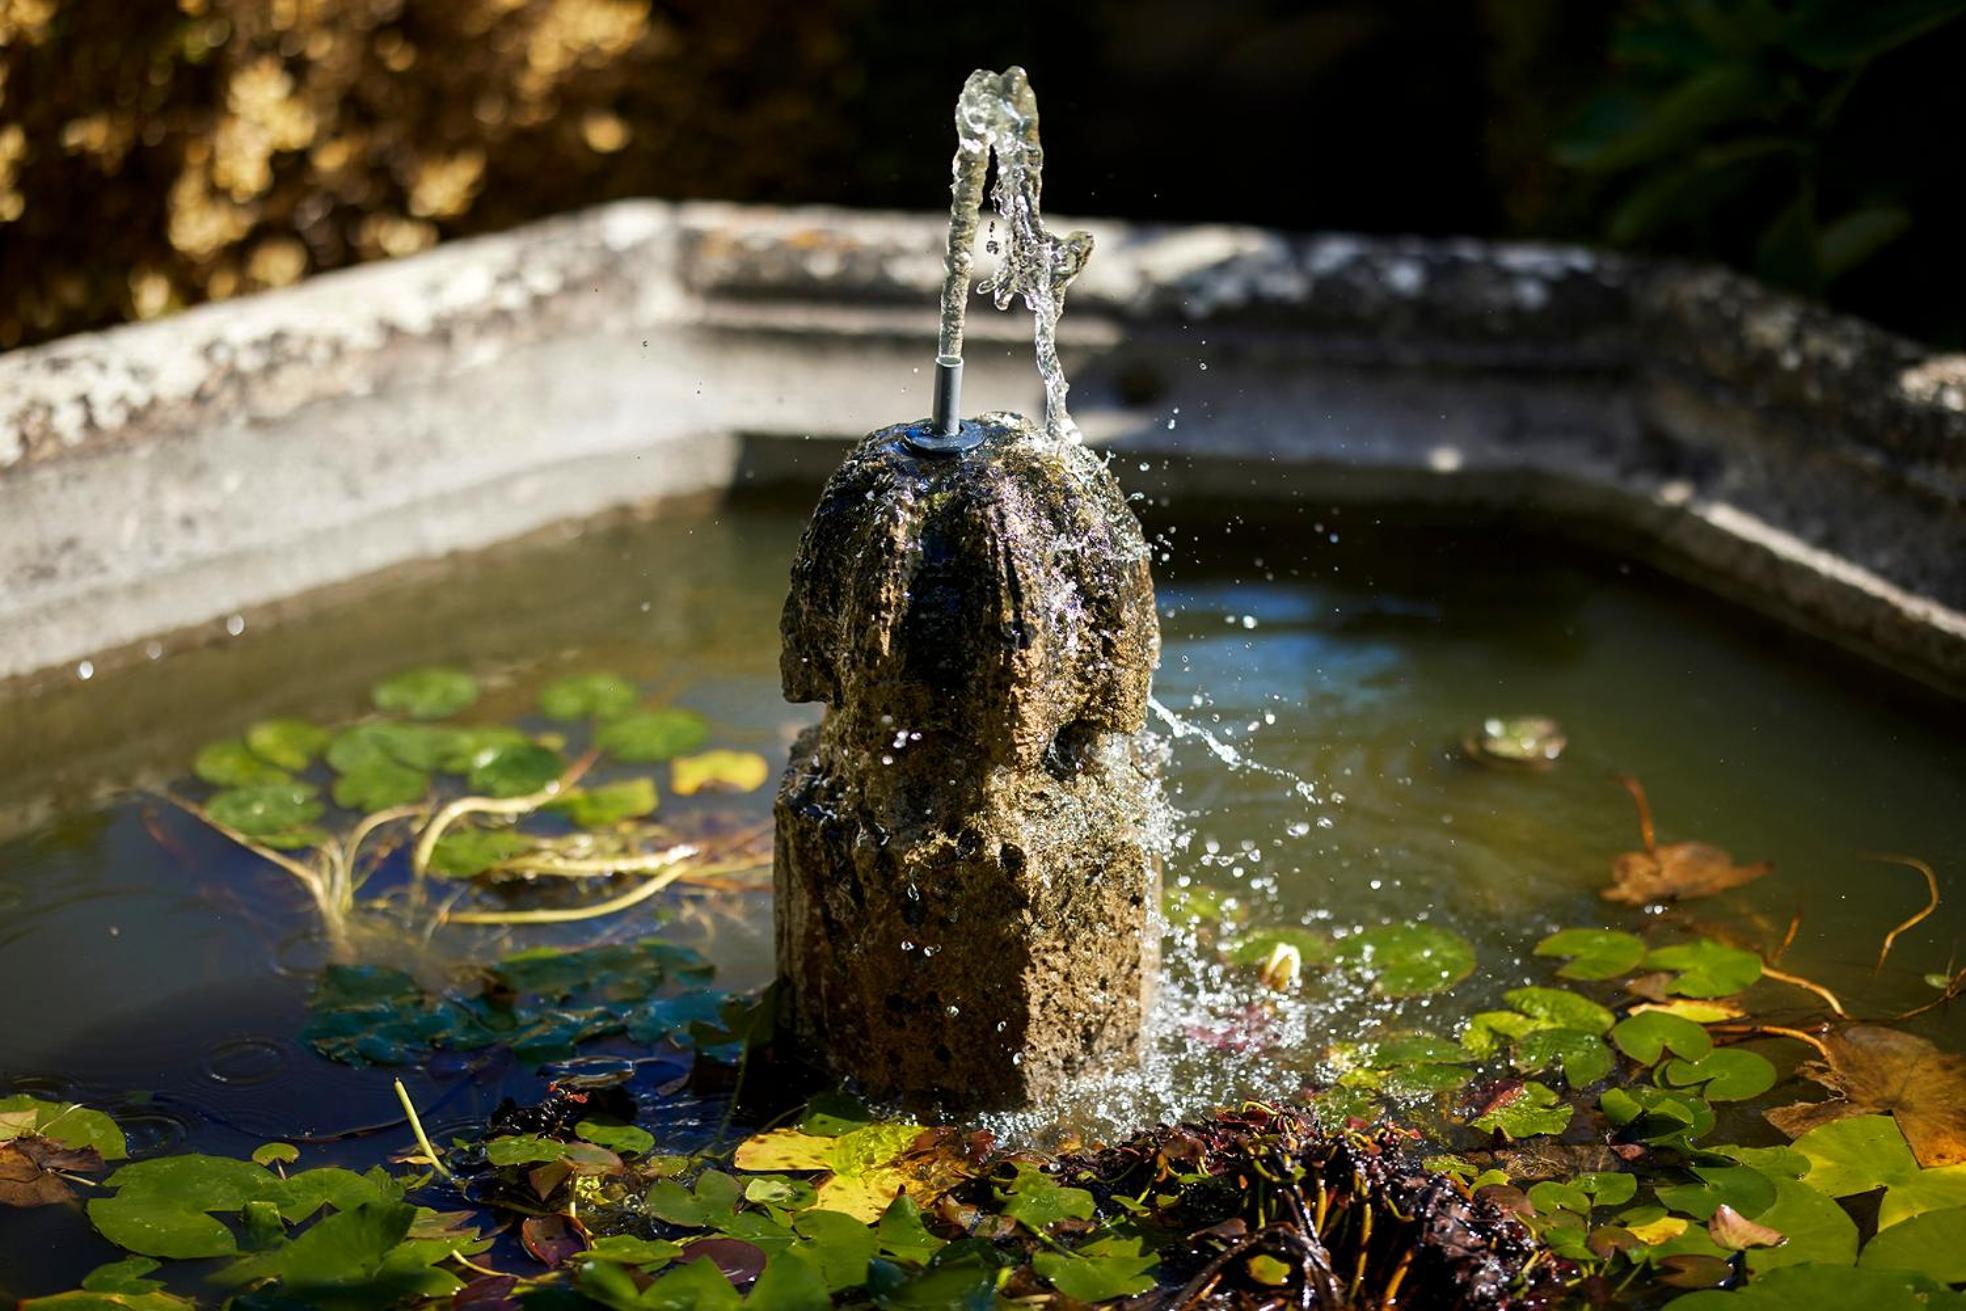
1560, 1008
585, 696
1932, 1244
1742, 1187
902, 1235
380, 785
839, 1245
1536, 1109
432, 692
68, 1123
459, 750
1728, 1074
1657, 1115
1594, 953
516, 771
234, 765
267, 811
1581, 1055
1409, 960
289, 743
1645, 1037
622, 1139
1098, 1272
465, 853
1705, 968
1607, 1187
1823, 1288
643, 736
1819, 1231
1864, 1152
1037, 1201
610, 803
644, 1253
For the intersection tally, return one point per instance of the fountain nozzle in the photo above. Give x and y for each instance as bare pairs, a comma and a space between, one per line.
945, 433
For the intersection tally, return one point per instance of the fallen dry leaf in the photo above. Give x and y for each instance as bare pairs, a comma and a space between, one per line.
28, 1166
1877, 1070
1675, 871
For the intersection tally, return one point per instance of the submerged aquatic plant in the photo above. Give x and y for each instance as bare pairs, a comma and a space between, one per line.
456, 796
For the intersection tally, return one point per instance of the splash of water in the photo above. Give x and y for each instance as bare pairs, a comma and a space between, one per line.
998, 114
1228, 755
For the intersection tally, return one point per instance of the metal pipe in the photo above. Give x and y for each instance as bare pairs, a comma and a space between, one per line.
947, 411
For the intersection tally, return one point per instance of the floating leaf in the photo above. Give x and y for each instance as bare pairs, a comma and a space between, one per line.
1699, 1012
464, 853
610, 803
380, 785
1594, 953
1560, 1008
234, 765
1098, 1272
165, 1206
1932, 1244
645, 1253
31, 1170
1726, 1075
516, 771
432, 692
584, 696
1675, 870
276, 813
289, 743
1742, 1187
1647, 1035
1878, 1069
1657, 1115
68, 1123
1818, 1288
1864, 1152
1705, 968
1409, 960
1533, 1108
644, 736
1819, 1231
1583, 1056
624, 1139
1730, 1229
718, 771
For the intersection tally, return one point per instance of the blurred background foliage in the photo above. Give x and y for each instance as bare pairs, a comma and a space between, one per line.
157, 153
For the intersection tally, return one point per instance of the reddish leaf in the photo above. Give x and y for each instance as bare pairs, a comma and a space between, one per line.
552, 1239
1735, 1232
740, 1261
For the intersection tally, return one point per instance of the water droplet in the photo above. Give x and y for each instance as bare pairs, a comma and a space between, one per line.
235, 624
86, 670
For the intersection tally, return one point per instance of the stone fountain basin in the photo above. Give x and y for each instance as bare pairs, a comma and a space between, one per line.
162, 480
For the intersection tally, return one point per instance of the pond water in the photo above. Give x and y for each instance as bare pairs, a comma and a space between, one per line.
152, 967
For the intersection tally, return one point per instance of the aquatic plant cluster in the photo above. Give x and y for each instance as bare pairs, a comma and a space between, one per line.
1635, 1127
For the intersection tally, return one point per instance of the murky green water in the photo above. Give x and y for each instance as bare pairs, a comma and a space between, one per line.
152, 968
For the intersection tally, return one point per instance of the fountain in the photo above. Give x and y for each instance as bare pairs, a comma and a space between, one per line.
964, 872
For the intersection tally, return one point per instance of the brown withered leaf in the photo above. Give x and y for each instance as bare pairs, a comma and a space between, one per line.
28, 1171
1735, 1232
1674, 871
1875, 1070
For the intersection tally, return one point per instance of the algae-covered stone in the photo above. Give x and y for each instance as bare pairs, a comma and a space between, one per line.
965, 865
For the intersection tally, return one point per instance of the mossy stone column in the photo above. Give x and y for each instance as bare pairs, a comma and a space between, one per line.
965, 867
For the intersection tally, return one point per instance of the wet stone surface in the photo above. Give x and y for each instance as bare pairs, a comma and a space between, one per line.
965, 865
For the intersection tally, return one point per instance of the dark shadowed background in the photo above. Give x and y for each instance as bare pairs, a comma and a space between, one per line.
156, 154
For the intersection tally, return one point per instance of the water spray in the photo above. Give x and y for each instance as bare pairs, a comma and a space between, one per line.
997, 116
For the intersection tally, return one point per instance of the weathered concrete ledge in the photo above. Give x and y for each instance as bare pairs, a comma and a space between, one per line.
168, 475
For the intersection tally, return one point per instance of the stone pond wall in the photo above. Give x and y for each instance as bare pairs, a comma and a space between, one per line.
164, 476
